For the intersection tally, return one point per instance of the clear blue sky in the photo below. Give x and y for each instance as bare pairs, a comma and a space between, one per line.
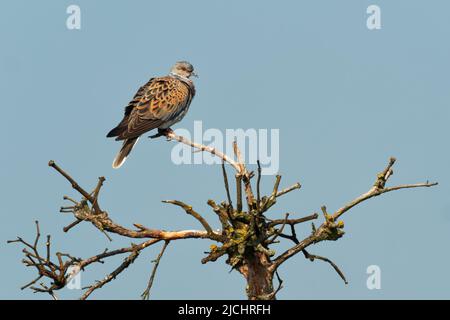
344, 98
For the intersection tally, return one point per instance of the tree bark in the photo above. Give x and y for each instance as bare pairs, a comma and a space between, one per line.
259, 278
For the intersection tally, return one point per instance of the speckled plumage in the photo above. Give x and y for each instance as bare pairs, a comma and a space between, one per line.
158, 104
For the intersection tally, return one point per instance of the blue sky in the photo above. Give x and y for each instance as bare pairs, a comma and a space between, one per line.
343, 97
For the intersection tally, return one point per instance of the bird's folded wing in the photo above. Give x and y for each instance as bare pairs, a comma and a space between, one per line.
159, 101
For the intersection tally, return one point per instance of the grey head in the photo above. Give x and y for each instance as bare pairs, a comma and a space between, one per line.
183, 69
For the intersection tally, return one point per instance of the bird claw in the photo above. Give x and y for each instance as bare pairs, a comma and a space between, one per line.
161, 132
155, 136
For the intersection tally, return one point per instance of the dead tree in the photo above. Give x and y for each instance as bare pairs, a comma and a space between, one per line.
245, 237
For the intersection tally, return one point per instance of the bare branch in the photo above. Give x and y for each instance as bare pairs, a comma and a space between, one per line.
332, 230
70, 226
291, 252
222, 212
246, 176
239, 192
269, 202
103, 222
379, 188
289, 189
146, 294
31, 283
227, 187
258, 183
125, 264
312, 257
75, 185
280, 231
293, 236
38, 234
44, 266
195, 214
95, 194
293, 221
273, 295
213, 151
47, 244
374, 192
240, 161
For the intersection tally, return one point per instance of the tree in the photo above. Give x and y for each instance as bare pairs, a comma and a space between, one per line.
246, 236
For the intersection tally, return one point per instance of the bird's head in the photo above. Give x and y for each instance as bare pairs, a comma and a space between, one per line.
183, 69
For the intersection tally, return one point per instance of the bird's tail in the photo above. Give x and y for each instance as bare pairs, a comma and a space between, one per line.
121, 156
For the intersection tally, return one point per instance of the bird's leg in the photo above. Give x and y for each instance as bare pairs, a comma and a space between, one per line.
161, 132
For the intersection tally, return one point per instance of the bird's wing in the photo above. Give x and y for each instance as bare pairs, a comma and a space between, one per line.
159, 101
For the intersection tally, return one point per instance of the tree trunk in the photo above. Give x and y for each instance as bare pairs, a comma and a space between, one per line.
259, 279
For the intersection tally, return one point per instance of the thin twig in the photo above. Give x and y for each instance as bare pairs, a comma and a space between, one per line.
293, 236
47, 244
146, 294
280, 284
38, 235
95, 194
246, 176
31, 282
312, 257
189, 210
289, 189
70, 226
293, 221
75, 185
125, 264
280, 231
227, 187
258, 183
239, 192
98, 258
213, 151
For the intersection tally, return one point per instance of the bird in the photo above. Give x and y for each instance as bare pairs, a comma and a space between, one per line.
158, 104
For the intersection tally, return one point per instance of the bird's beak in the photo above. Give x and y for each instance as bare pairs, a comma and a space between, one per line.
193, 74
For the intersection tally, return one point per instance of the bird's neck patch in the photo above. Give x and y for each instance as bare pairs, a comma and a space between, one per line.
180, 77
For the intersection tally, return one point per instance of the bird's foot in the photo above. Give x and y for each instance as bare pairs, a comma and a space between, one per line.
161, 132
